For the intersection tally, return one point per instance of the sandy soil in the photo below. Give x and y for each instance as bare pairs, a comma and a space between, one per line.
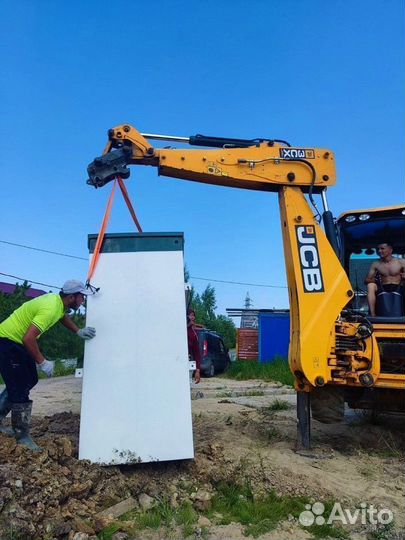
53, 495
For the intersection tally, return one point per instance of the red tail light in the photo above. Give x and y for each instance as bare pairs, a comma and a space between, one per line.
205, 348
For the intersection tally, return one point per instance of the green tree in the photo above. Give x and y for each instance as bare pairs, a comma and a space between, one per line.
58, 342
10, 302
226, 327
204, 306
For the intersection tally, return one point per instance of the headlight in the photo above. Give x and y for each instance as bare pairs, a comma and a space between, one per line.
364, 217
350, 219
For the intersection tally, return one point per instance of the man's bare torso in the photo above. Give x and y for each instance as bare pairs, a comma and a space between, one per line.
391, 272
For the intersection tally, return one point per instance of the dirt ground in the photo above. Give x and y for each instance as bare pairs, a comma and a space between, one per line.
237, 438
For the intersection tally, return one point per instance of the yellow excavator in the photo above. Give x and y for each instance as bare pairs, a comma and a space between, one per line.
338, 354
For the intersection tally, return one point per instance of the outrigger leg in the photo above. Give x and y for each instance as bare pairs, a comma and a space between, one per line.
303, 420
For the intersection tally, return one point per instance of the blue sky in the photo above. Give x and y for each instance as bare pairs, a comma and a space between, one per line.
320, 74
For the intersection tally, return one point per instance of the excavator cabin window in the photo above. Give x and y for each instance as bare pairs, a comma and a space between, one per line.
360, 233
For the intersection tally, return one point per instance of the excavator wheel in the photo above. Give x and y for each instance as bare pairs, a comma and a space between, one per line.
328, 404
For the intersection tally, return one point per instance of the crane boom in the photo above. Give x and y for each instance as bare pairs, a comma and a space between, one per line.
258, 164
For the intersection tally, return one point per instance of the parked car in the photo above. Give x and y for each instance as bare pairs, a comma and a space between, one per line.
214, 354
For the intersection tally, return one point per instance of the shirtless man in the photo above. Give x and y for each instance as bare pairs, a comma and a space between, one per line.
391, 271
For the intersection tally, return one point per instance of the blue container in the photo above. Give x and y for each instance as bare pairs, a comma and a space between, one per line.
274, 335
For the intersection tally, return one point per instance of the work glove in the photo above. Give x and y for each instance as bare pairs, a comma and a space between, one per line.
87, 333
47, 367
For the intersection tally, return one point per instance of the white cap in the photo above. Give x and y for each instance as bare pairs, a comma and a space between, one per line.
73, 286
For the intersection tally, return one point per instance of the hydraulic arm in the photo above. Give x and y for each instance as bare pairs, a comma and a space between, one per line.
261, 164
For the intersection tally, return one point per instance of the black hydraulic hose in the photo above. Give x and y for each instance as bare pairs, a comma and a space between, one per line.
330, 230
281, 141
311, 187
224, 142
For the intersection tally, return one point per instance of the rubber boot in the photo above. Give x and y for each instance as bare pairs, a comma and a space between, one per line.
20, 420
5, 408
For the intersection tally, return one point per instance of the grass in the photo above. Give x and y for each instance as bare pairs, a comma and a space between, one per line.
163, 515
248, 393
107, 532
243, 370
226, 394
279, 405
272, 433
251, 393
382, 532
237, 504
388, 447
231, 503
325, 530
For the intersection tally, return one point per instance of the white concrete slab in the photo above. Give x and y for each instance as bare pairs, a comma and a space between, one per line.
136, 395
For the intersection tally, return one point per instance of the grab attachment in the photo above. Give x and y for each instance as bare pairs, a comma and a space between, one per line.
107, 167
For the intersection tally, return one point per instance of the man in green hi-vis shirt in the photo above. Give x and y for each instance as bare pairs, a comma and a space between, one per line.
20, 355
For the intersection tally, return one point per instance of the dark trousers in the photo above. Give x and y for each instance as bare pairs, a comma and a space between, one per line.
390, 301
18, 370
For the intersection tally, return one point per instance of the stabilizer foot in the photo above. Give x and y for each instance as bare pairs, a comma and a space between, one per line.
303, 421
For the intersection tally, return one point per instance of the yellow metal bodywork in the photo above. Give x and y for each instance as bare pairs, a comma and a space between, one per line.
316, 322
257, 167
387, 331
366, 361
312, 314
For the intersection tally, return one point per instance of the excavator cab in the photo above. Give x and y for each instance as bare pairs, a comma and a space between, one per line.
360, 232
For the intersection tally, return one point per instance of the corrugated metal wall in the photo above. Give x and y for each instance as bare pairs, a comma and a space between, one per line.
274, 336
247, 344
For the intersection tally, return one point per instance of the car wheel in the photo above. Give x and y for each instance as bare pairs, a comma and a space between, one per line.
211, 369
226, 366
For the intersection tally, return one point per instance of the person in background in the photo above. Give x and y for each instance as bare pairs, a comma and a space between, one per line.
20, 355
193, 344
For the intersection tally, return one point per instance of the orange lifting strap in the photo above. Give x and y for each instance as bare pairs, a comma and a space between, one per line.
100, 238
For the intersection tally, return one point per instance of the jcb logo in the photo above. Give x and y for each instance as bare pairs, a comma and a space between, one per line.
309, 259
